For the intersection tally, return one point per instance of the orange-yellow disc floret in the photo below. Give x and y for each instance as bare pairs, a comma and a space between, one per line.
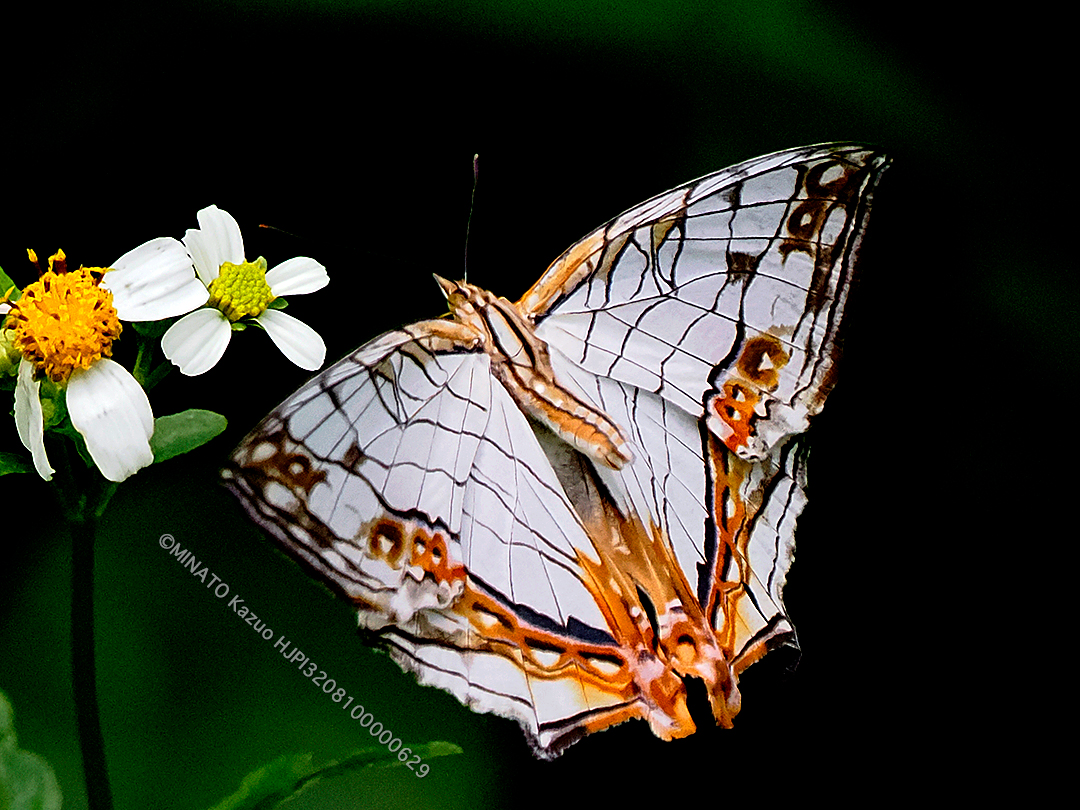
64, 321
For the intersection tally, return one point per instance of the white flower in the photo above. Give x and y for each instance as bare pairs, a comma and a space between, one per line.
237, 290
28, 419
154, 281
64, 324
111, 411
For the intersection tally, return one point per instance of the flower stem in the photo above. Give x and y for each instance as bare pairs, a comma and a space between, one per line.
144, 374
141, 360
83, 669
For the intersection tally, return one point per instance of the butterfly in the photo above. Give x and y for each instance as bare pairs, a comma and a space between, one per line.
564, 508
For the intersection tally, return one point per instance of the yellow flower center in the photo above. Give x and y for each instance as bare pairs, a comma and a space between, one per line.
240, 290
64, 321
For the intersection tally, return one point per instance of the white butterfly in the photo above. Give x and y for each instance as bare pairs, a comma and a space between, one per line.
559, 509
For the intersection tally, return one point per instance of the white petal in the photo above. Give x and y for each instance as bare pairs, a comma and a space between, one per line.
28, 419
113, 415
217, 240
297, 341
297, 276
196, 342
155, 280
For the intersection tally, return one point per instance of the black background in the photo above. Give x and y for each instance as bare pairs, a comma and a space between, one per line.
351, 128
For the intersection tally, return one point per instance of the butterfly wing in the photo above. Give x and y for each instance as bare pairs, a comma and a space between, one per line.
730, 522
407, 478
733, 285
705, 322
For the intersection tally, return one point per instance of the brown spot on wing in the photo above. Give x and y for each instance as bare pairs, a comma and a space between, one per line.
385, 541
352, 458
761, 359
805, 223
294, 469
662, 227
741, 263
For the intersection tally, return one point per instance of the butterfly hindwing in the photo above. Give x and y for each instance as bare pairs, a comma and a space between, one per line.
730, 522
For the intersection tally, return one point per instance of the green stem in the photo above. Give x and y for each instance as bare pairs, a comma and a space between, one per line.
142, 360
144, 373
157, 375
68, 492
104, 495
83, 668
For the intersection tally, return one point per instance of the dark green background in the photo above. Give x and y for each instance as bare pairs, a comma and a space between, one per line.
352, 126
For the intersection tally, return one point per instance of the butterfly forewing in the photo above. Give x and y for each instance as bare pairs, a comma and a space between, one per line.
448, 486
738, 277
723, 298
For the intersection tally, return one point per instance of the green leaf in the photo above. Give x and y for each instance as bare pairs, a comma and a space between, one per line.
287, 776
27, 782
14, 463
275, 778
7, 284
182, 432
277, 303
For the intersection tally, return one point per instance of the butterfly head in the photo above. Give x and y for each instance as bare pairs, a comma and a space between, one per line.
462, 298
472, 306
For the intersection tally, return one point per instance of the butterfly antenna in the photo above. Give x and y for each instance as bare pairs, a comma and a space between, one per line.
282, 231
472, 203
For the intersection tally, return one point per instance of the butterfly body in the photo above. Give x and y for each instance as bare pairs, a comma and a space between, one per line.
521, 362
562, 508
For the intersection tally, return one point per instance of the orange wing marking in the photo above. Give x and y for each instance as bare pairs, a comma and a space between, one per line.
729, 596
741, 400
608, 690
643, 593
